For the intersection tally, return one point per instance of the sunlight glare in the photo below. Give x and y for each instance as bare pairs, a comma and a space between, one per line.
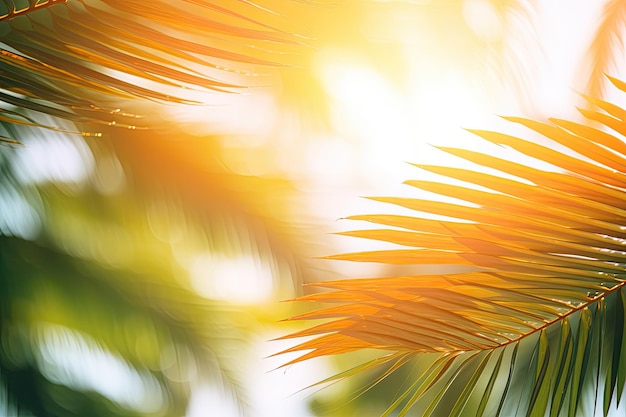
56, 158
224, 114
441, 110
482, 17
74, 359
389, 126
17, 216
242, 279
208, 400
368, 111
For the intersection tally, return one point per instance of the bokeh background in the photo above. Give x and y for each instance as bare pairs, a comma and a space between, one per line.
142, 271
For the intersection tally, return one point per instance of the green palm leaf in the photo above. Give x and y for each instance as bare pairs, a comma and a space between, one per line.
547, 295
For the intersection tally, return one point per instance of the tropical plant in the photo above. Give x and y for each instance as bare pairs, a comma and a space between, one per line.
535, 323
604, 46
79, 60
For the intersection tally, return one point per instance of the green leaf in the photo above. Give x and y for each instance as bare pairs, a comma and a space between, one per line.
621, 371
470, 384
613, 349
509, 379
564, 371
541, 385
600, 332
495, 374
422, 383
581, 360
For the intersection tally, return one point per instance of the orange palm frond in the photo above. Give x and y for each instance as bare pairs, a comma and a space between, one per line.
608, 35
542, 302
10, 10
79, 60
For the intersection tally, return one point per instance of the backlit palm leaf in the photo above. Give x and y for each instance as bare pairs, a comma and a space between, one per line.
601, 53
72, 59
537, 320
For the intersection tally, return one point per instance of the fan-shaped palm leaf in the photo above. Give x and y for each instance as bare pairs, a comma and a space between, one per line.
542, 320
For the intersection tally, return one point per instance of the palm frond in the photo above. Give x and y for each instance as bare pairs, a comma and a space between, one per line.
547, 296
519, 39
11, 11
602, 50
73, 59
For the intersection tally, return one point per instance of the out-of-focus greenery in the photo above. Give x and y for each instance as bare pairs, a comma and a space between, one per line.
105, 239
98, 243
